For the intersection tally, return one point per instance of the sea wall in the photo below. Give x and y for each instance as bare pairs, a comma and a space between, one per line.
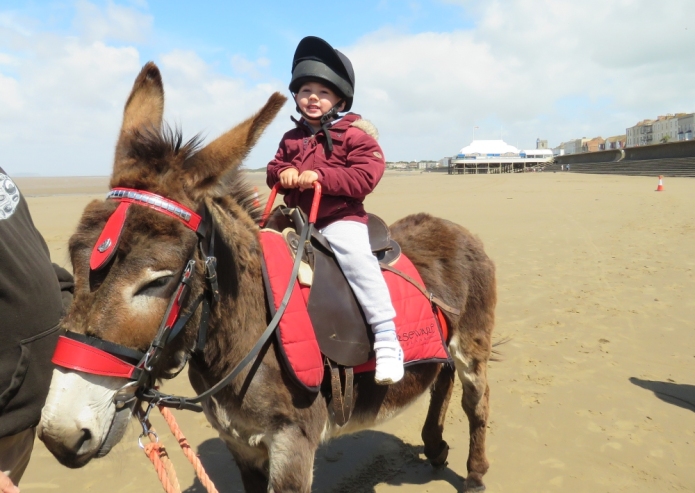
657, 151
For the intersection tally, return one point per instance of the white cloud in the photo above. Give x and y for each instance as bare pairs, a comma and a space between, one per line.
62, 97
253, 68
550, 69
115, 22
10, 98
199, 100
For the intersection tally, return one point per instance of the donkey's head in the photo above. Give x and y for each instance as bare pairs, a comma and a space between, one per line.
124, 284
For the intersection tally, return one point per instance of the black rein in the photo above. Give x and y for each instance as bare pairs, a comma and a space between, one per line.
153, 396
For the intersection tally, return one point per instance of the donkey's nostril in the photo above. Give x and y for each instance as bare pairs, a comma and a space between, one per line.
71, 449
86, 434
84, 438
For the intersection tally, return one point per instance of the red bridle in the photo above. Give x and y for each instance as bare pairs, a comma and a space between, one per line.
91, 355
83, 356
105, 247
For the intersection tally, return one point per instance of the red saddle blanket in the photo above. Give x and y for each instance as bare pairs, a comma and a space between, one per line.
421, 328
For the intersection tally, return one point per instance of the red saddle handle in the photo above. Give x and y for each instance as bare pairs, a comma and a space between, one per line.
314, 203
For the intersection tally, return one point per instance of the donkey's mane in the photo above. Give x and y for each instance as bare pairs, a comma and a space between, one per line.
161, 150
157, 146
246, 195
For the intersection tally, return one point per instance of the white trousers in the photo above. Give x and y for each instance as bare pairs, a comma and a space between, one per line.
350, 243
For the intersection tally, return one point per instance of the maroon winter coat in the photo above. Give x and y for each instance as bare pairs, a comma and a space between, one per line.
346, 175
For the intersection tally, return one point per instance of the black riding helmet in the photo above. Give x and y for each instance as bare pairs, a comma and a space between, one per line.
315, 59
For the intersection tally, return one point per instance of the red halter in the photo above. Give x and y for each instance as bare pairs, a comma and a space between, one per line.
91, 355
101, 357
82, 356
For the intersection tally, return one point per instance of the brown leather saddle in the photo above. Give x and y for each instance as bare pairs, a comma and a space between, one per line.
343, 334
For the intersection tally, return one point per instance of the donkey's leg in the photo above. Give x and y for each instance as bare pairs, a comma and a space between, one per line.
291, 461
475, 401
254, 476
436, 449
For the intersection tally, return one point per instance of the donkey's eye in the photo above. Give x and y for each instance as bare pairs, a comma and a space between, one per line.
159, 287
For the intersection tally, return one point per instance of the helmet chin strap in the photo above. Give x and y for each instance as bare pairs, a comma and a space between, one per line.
325, 119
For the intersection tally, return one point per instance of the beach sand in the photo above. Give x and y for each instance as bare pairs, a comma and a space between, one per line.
595, 391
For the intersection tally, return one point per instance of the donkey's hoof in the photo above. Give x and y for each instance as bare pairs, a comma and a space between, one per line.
439, 459
473, 485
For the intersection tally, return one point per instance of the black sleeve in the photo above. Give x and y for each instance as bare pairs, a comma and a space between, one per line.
67, 285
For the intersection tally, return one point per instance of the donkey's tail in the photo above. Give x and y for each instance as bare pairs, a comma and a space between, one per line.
496, 353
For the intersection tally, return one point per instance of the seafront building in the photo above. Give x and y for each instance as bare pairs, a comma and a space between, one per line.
413, 165
641, 134
575, 146
615, 142
686, 126
666, 128
496, 156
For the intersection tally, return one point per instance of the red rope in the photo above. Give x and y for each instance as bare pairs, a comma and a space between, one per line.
187, 451
160, 460
162, 464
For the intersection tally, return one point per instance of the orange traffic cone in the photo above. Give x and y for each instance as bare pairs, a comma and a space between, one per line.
256, 202
660, 188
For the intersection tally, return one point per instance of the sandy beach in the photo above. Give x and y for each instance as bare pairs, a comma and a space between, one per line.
595, 390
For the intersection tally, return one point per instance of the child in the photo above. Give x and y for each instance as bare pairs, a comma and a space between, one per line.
348, 163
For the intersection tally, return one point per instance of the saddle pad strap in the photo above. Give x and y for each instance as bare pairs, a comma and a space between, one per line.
422, 289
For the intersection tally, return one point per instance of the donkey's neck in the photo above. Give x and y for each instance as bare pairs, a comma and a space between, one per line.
239, 318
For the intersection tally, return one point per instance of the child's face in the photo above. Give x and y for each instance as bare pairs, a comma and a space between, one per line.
315, 99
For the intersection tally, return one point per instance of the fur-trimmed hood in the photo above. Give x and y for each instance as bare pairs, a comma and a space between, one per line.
367, 127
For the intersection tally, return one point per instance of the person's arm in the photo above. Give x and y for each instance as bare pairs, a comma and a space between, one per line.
6, 484
364, 168
67, 285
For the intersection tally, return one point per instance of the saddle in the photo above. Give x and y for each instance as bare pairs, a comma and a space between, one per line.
342, 332
328, 327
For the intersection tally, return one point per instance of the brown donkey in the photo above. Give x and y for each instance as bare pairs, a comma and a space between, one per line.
271, 426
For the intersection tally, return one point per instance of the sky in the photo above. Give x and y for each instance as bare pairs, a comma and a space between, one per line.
431, 75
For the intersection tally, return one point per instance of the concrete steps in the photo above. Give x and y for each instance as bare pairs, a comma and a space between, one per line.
648, 167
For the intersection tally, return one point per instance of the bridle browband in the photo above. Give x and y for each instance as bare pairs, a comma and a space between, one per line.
107, 243
92, 355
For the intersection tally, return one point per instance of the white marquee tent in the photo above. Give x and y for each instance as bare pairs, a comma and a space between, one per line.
488, 148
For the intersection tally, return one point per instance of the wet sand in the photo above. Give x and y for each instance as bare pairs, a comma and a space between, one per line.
596, 388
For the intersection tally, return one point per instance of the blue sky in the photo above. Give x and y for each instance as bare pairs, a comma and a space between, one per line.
427, 71
221, 30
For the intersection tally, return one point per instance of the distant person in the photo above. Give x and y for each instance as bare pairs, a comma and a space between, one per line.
568, 167
340, 153
562, 167
33, 295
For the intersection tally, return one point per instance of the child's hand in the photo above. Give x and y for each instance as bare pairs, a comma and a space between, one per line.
288, 178
307, 179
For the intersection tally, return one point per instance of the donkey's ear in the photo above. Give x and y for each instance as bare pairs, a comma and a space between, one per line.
207, 169
143, 111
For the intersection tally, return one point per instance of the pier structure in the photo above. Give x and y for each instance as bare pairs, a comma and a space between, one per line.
496, 156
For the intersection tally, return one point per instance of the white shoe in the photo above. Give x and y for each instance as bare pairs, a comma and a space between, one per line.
389, 362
